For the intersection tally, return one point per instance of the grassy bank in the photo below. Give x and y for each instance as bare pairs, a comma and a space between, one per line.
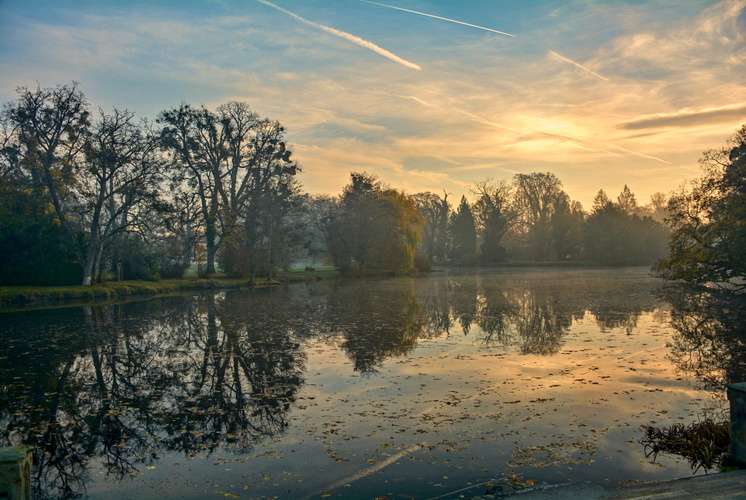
20, 296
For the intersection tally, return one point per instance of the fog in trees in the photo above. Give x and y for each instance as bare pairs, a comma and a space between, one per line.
434, 211
614, 234
537, 195
463, 232
90, 196
496, 212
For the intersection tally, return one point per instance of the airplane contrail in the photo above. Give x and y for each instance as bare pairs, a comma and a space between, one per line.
584, 68
635, 153
438, 17
347, 36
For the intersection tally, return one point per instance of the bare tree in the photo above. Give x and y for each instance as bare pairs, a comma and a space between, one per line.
124, 172
495, 213
227, 157
49, 128
537, 195
434, 210
98, 177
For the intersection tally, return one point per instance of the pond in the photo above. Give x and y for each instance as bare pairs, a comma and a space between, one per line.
425, 387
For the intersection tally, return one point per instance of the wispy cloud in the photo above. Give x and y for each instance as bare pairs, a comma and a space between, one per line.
484, 166
347, 36
485, 121
532, 134
441, 18
576, 64
688, 118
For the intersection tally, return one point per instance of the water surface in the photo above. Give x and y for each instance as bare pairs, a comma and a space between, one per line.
402, 388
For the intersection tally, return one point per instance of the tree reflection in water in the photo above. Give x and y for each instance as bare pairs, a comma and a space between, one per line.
122, 385
184, 374
371, 325
532, 312
710, 339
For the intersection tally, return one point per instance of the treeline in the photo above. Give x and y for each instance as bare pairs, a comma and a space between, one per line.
87, 196
532, 218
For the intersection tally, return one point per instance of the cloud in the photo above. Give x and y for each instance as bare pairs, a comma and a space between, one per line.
441, 18
347, 36
577, 64
532, 139
688, 118
484, 166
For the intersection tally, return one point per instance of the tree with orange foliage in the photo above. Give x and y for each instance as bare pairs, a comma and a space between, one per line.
375, 228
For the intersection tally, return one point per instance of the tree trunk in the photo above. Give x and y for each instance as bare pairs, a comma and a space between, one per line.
271, 256
89, 258
187, 255
211, 250
211, 246
88, 265
97, 269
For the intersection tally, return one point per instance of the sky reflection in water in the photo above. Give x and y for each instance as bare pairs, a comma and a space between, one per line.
411, 387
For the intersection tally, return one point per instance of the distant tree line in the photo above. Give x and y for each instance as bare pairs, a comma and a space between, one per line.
532, 218
87, 196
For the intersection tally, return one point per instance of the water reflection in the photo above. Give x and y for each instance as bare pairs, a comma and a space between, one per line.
710, 339
195, 374
534, 310
123, 385
372, 324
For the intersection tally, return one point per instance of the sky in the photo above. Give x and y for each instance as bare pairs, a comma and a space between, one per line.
429, 95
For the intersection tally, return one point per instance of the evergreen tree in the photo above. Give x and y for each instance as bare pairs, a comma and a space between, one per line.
613, 236
463, 232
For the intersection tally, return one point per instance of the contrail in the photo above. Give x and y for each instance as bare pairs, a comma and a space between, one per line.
581, 142
347, 36
438, 17
635, 153
584, 68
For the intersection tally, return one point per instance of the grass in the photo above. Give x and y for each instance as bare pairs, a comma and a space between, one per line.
703, 443
19, 296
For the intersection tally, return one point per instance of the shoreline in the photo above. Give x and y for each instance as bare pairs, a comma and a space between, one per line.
15, 298
22, 297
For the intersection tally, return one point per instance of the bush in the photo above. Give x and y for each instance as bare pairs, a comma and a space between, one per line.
135, 258
170, 258
421, 262
34, 249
